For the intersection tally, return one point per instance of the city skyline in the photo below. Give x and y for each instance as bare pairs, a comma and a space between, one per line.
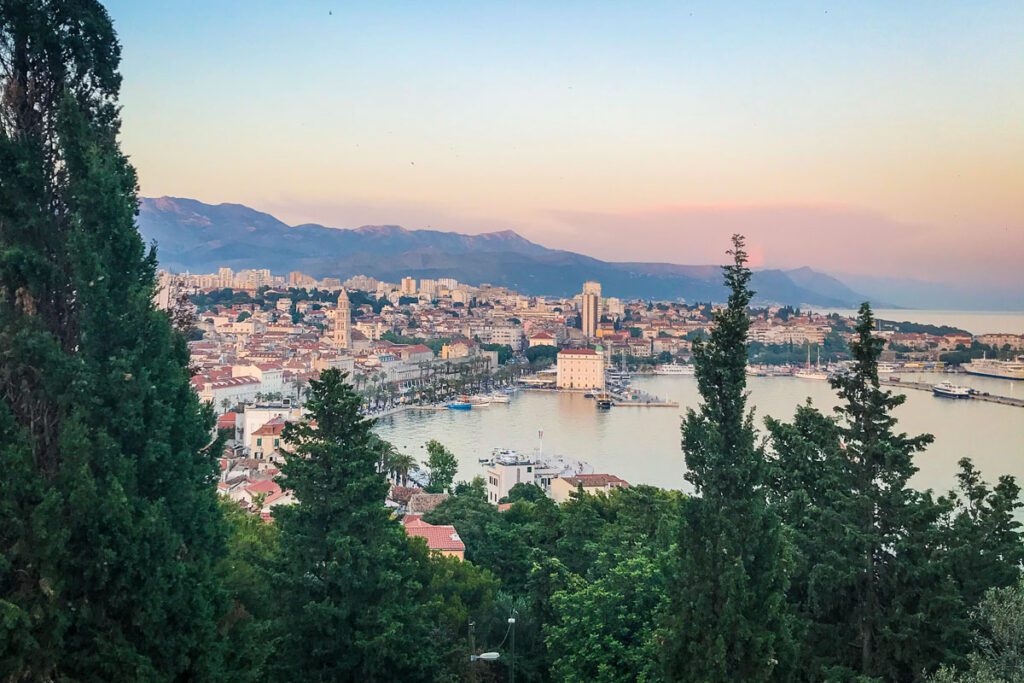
867, 139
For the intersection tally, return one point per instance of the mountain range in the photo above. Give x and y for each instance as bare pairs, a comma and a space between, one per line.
197, 237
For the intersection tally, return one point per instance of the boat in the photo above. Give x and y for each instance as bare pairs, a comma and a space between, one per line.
673, 369
808, 372
811, 373
459, 405
950, 390
604, 401
499, 398
1003, 369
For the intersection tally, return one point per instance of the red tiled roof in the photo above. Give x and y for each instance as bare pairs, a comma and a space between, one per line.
592, 480
227, 420
234, 382
273, 427
417, 348
438, 537
265, 486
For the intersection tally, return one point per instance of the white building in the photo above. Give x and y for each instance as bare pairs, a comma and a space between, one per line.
512, 468
255, 417
232, 390
270, 375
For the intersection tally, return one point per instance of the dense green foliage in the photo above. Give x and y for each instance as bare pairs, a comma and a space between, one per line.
998, 655
109, 526
728, 619
587, 575
541, 356
907, 327
884, 576
504, 351
343, 559
441, 465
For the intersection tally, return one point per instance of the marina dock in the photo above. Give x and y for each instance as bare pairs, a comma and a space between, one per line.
988, 398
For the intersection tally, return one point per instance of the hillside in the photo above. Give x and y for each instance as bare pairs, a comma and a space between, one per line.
198, 237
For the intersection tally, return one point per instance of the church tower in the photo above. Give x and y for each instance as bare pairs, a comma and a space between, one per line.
343, 322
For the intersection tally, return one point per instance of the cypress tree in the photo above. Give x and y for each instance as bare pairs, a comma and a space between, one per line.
728, 615
351, 590
882, 507
885, 576
109, 527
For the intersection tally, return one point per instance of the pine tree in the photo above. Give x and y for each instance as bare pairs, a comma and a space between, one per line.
882, 506
109, 527
352, 592
728, 614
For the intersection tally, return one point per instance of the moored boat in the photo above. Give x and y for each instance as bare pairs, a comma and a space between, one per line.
459, 405
673, 369
950, 390
1003, 369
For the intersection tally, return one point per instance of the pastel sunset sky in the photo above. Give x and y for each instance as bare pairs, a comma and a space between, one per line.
877, 138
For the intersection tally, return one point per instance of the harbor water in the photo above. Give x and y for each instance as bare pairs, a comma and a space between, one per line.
641, 445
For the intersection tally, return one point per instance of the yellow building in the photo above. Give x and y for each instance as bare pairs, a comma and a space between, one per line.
580, 369
562, 488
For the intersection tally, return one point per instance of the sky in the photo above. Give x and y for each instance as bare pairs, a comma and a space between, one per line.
874, 138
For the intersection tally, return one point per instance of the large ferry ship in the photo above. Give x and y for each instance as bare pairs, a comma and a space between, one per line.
1004, 369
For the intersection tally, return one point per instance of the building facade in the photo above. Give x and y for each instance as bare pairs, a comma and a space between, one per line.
590, 308
580, 369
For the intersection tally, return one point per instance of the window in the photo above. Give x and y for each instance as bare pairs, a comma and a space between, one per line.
259, 442
276, 442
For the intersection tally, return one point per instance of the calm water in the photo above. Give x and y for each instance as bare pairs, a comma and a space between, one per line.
975, 322
641, 445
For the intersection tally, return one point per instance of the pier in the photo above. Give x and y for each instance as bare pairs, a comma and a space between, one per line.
988, 398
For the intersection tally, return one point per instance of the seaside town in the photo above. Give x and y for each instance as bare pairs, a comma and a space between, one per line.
428, 344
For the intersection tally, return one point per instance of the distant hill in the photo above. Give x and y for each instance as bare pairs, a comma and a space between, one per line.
198, 237
958, 295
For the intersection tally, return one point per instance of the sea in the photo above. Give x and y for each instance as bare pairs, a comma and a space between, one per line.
642, 445
975, 322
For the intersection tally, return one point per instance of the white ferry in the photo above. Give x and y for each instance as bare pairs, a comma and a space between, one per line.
673, 369
950, 390
1004, 369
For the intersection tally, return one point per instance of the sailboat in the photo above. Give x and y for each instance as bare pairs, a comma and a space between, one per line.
812, 373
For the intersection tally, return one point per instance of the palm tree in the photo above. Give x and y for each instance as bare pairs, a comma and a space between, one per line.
401, 465
299, 384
